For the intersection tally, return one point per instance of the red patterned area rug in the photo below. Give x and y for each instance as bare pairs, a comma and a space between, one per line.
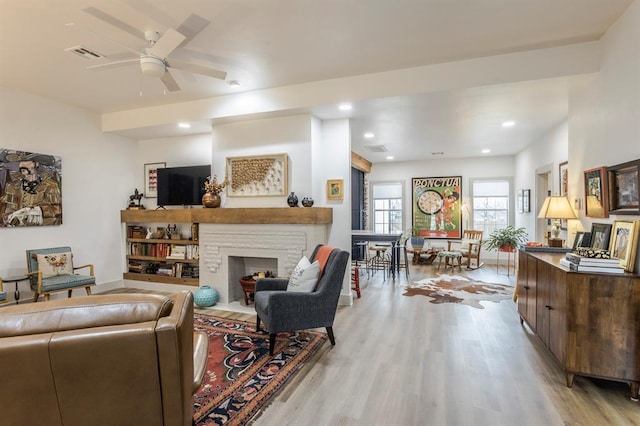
457, 289
241, 377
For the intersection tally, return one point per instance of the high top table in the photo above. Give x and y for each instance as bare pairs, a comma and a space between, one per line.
394, 239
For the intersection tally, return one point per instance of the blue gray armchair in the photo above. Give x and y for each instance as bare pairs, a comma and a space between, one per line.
60, 274
284, 311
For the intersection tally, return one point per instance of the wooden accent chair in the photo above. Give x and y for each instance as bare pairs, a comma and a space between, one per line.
51, 270
469, 246
285, 311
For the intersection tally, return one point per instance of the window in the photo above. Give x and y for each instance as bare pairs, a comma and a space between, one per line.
491, 203
387, 207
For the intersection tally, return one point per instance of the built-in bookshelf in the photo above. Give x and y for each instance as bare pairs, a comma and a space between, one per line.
167, 260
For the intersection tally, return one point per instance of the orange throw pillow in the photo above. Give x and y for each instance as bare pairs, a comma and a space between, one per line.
322, 256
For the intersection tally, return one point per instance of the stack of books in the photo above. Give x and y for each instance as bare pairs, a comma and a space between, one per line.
580, 263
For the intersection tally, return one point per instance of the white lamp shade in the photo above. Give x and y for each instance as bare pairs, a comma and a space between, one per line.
556, 207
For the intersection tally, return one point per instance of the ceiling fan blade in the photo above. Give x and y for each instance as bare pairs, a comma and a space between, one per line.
192, 26
169, 82
97, 13
166, 44
197, 69
115, 64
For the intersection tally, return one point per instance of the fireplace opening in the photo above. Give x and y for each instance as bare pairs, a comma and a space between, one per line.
241, 266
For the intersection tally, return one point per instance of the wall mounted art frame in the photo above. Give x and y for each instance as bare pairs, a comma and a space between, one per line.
600, 235
437, 207
624, 242
595, 192
335, 189
257, 175
624, 188
520, 201
583, 239
30, 189
563, 173
526, 200
151, 179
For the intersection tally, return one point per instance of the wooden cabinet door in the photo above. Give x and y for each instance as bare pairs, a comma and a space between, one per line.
552, 309
543, 272
557, 311
532, 292
527, 289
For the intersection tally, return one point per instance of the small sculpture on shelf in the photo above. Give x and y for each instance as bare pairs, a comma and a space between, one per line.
134, 201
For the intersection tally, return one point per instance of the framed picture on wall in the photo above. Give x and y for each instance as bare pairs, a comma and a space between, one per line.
521, 201
595, 192
624, 188
563, 170
151, 179
526, 200
437, 207
335, 189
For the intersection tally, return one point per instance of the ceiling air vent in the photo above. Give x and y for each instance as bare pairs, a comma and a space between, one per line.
376, 148
84, 52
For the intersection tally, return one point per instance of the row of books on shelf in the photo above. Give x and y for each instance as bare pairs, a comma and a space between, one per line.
592, 262
178, 269
165, 250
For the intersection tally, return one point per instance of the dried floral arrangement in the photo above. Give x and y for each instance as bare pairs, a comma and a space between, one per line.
213, 186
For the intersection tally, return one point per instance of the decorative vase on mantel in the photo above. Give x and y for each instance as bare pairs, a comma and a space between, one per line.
211, 200
292, 200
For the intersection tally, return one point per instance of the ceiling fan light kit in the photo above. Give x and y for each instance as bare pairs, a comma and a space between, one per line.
152, 66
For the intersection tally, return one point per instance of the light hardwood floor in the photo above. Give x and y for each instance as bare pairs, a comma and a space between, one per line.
404, 361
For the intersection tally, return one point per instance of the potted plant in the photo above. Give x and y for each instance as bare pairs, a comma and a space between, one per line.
506, 239
213, 188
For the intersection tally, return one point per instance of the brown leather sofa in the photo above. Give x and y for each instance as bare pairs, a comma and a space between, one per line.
122, 359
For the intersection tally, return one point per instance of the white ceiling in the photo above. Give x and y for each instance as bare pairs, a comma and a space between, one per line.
274, 43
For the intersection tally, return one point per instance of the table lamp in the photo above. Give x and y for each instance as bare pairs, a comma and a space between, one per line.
555, 208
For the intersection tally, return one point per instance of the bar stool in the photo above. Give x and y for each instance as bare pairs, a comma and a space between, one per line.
381, 261
360, 255
355, 279
402, 261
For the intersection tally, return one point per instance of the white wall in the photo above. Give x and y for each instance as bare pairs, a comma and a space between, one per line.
547, 152
97, 174
290, 135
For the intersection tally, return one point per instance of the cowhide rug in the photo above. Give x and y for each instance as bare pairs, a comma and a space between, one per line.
456, 289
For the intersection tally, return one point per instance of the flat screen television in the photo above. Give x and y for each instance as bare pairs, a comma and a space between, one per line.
182, 186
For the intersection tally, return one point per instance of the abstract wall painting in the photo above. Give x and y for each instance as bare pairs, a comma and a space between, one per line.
30, 189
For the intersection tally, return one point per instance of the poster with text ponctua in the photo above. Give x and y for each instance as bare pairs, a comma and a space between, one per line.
437, 207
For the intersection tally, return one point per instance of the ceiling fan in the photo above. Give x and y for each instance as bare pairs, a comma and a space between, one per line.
154, 60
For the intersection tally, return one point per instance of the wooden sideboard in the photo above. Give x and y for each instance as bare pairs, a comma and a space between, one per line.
590, 322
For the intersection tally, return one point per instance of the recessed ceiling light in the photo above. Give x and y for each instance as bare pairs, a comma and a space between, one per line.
345, 107
184, 125
389, 157
369, 135
486, 151
508, 123
233, 83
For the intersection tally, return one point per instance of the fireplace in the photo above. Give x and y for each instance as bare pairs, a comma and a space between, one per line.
240, 266
229, 251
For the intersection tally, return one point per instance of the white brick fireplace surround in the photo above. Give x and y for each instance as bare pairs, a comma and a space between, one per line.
286, 243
